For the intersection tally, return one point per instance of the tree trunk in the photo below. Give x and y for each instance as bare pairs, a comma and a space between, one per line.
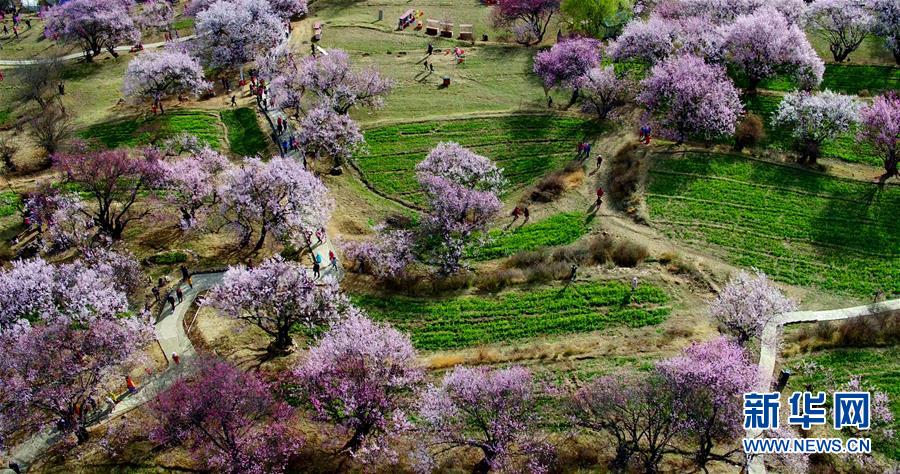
262, 239
890, 167
752, 84
573, 98
356, 441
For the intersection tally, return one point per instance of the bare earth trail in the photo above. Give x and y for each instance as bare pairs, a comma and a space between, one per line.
73, 56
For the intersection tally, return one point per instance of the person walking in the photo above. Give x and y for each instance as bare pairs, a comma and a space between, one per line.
129, 384
155, 292
186, 276
176, 358
634, 284
61, 88
316, 267
599, 160
431, 67
333, 259
426, 65
171, 300
572, 272
526, 213
599, 196
179, 294
515, 214
430, 49
234, 100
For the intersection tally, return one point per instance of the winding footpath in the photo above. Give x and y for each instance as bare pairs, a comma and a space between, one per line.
769, 341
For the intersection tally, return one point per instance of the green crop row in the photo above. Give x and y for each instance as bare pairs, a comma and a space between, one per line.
876, 367
470, 320
559, 229
846, 78
526, 147
9, 203
147, 130
844, 147
801, 227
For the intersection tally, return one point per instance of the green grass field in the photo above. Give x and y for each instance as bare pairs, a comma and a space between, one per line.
526, 147
245, 138
845, 78
876, 367
559, 229
9, 203
146, 130
470, 320
844, 147
800, 227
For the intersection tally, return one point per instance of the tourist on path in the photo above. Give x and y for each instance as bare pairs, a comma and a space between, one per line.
186, 276
176, 358
599, 196
171, 300
179, 294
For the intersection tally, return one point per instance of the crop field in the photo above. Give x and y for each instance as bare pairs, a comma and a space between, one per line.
525, 146
800, 227
877, 367
469, 320
144, 130
845, 78
245, 138
844, 147
9, 203
559, 229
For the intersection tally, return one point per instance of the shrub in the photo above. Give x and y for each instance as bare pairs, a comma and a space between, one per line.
527, 259
601, 248
399, 221
549, 189
495, 281
869, 331
749, 132
625, 175
629, 254
168, 258
571, 254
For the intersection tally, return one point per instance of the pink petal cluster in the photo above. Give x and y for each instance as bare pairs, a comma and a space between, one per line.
191, 183
325, 133
360, 377
388, 255
881, 128
603, 91
333, 81
814, 118
231, 33
886, 23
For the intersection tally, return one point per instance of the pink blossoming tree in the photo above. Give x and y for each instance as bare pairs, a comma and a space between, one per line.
191, 183
602, 91
114, 179
747, 303
689, 98
387, 255
334, 83
881, 128
228, 419
325, 133
94, 24
763, 44
360, 377
649, 41
277, 197
156, 14
566, 62
276, 296
493, 411
462, 189
707, 381
231, 33
886, 23
815, 118
156, 75
528, 19
843, 23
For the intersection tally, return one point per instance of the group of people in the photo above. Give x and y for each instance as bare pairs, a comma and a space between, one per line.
644, 135
584, 150
16, 23
520, 211
170, 299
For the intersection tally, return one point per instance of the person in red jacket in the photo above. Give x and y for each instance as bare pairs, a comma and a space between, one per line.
599, 196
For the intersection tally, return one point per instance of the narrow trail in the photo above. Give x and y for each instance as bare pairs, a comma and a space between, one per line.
769, 341
73, 56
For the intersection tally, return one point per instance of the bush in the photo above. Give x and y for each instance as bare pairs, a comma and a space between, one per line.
601, 248
749, 132
495, 281
527, 260
549, 189
571, 254
625, 175
868, 331
629, 254
399, 221
168, 258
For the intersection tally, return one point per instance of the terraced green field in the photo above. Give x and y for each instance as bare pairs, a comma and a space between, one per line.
9, 203
800, 227
876, 367
470, 320
245, 138
526, 147
844, 147
559, 229
145, 130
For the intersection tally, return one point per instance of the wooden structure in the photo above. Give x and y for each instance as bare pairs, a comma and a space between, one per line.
431, 27
446, 29
406, 19
466, 32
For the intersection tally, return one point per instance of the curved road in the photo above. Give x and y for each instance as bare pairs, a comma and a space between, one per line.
69, 57
768, 352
